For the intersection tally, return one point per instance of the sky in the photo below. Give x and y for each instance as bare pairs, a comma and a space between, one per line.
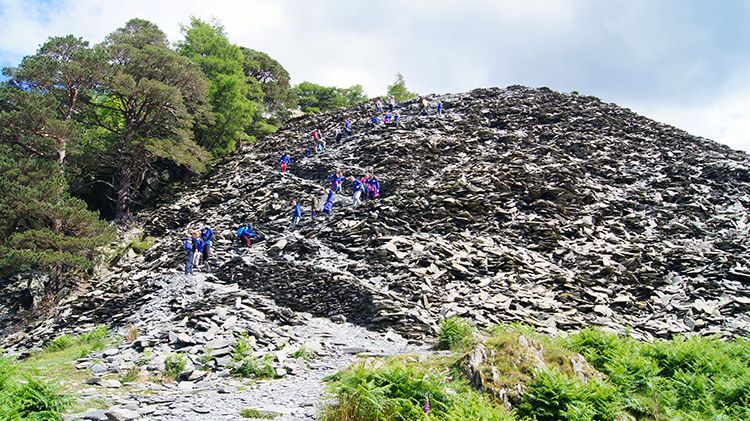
680, 62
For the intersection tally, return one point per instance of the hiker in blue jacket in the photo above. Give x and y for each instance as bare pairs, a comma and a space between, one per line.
328, 206
296, 213
440, 107
358, 188
206, 235
245, 233
198, 250
336, 180
191, 245
283, 161
374, 121
373, 187
347, 128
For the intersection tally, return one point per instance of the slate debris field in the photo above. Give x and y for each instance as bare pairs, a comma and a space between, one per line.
516, 204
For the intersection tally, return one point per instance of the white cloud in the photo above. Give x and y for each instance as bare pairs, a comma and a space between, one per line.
684, 63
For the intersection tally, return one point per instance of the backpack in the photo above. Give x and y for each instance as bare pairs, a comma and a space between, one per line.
189, 244
240, 231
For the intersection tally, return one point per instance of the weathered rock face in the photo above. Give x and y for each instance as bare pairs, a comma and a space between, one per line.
516, 204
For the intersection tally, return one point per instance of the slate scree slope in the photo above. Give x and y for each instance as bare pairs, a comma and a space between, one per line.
516, 204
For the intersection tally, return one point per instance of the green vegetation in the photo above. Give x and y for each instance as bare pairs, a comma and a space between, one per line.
305, 353
453, 332
26, 395
545, 378
232, 94
256, 414
174, 365
41, 226
316, 99
398, 89
255, 367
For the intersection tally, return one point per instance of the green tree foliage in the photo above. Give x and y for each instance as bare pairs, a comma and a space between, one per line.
274, 81
38, 105
41, 226
399, 91
313, 98
149, 97
233, 95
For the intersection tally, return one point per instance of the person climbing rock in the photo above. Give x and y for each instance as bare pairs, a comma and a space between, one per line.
440, 107
307, 152
314, 206
245, 233
296, 213
198, 244
284, 161
393, 103
337, 134
358, 188
379, 105
191, 245
347, 128
328, 206
373, 187
425, 106
374, 121
336, 180
206, 235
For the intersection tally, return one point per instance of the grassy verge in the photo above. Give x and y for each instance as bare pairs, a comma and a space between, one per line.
38, 387
591, 375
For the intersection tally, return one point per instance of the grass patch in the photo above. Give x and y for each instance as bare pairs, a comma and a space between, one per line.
305, 353
257, 414
27, 395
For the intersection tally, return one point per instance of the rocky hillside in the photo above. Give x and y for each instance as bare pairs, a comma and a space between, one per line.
517, 204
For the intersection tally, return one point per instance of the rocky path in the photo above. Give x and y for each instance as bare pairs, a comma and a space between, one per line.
208, 392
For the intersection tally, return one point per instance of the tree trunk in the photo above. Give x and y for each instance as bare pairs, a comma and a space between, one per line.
124, 198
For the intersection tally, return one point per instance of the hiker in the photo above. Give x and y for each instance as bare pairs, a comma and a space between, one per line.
314, 204
373, 187
336, 180
307, 152
283, 161
206, 235
191, 244
198, 245
347, 128
321, 144
358, 188
374, 121
396, 117
317, 135
328, 206
296, 213
244, 233
440, 107
393, 103
425, 105
379, 105
337, 134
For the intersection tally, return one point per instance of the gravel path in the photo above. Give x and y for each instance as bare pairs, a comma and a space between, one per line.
216, 395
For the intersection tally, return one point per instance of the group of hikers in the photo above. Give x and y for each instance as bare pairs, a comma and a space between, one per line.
365, 188
197, 246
